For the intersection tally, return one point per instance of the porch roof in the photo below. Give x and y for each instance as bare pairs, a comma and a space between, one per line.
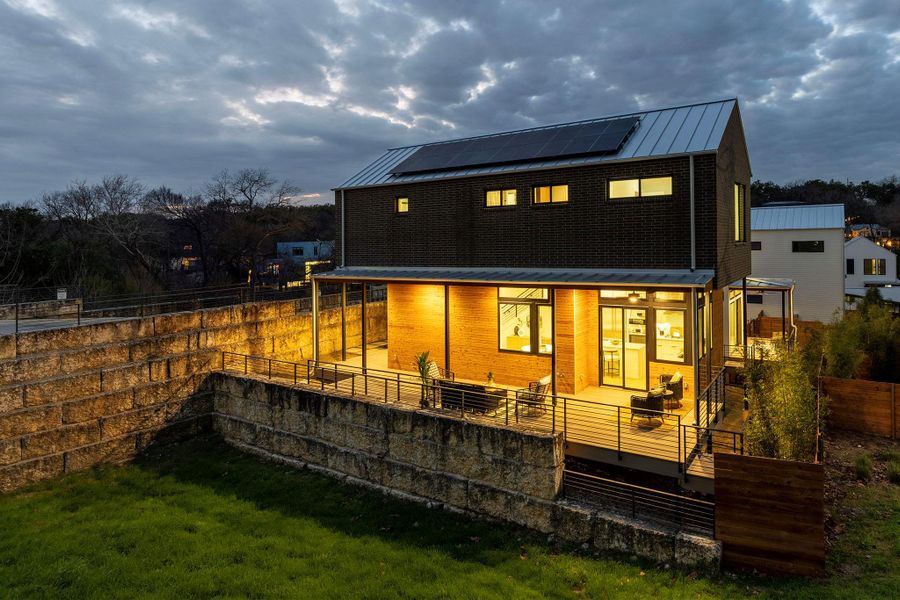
541, 277
774, 284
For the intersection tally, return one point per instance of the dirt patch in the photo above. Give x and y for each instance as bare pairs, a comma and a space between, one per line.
842, 484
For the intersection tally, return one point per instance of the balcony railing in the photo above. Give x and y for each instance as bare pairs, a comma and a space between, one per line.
673, 510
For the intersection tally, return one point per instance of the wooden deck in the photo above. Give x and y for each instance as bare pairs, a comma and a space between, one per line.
597, 422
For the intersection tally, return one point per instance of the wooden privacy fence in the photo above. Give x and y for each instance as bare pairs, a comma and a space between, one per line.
862, 405
770, 514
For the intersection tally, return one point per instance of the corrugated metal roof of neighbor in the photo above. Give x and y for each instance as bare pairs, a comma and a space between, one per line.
618, 277
691, 129
801, 216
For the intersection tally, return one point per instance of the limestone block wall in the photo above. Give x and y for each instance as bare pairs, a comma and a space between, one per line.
483, 468
74, 397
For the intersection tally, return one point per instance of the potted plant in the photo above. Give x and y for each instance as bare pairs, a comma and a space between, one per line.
422, 363
490, 379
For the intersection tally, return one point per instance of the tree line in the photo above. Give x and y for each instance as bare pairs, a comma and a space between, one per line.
864, 202
117, 236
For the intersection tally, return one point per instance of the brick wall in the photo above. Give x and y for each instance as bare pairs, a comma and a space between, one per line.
448, 225
74, 397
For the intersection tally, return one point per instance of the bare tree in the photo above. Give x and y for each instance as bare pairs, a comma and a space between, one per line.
193, 212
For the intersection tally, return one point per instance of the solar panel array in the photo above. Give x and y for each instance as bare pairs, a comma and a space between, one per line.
598, 137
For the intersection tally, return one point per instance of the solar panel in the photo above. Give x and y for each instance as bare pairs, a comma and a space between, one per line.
597, 137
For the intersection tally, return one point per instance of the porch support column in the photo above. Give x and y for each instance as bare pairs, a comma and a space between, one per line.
343, 321
552, 341
315, 319
364, 338
446, 327
744, 312
695, 347
783, 316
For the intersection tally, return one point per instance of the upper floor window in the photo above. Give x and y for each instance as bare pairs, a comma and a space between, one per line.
296, 251
640, 188
808, 246
525, 320
851, 266
874, 266
547, 194
402, 205
500, 198
740, 211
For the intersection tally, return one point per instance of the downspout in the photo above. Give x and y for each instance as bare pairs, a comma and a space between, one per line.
693, 224
343, 230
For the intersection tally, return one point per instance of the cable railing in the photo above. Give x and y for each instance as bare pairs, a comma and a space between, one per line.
673, 510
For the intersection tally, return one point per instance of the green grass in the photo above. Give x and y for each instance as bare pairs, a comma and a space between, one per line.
201, 520
863, 467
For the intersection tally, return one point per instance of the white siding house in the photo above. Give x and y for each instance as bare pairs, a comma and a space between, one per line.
868, 264
804, 243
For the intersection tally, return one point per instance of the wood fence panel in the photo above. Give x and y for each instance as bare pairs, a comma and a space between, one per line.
861, 405
770, 514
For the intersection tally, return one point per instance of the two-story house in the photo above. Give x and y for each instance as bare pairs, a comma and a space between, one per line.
592, 255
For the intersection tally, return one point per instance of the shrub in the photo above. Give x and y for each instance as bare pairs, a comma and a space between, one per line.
888, 455
863, 343
785, 411
863, 467
893, 471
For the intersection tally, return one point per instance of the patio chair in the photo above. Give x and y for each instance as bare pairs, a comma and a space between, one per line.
533, 399
675, 384
648, 406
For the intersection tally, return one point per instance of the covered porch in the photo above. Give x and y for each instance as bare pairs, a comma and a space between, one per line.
600, 342
752, 332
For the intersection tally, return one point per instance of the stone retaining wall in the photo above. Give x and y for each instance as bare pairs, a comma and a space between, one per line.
77, 396
482, 468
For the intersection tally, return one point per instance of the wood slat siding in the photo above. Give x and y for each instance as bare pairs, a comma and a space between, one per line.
770, 514
861, 405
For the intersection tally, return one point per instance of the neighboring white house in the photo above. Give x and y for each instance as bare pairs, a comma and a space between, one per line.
804, 243
302, 252
868, 264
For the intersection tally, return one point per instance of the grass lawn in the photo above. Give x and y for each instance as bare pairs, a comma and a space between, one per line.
201, 520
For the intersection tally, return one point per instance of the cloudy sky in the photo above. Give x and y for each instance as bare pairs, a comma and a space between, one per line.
172, 92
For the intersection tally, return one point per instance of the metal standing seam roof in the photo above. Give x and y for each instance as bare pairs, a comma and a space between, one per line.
691, 129
573, 277
766, 283
801, 216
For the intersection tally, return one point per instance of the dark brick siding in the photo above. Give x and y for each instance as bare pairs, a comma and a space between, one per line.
448, 225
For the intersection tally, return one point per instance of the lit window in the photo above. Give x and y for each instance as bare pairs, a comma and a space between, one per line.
874, 266
640, 188
402, 205
656, 186
500, 198
629, 294
526, 320
740, 227
547, 194
670, 335
670, 296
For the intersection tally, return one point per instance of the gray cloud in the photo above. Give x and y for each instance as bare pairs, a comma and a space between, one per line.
172, 92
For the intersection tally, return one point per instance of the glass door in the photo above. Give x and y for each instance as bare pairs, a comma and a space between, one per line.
623, 343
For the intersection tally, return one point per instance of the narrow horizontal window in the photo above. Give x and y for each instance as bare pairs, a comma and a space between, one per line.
808, 246
646, 187
546, 194
754, 299
402, 205
756, 245
669, 296
500, 198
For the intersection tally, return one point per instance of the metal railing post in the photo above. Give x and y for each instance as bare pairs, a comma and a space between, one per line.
462, 405
385, 390
619, 431
270, 368
565, 418
17, 313
246, 358
223, 361
295, 373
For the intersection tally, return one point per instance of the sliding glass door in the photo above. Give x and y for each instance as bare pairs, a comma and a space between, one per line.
623, 347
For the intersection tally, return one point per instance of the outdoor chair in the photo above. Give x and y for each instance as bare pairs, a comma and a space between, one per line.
675, 384
533, 399
648, 406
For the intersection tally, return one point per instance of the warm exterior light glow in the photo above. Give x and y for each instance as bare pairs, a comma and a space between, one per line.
633, 297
